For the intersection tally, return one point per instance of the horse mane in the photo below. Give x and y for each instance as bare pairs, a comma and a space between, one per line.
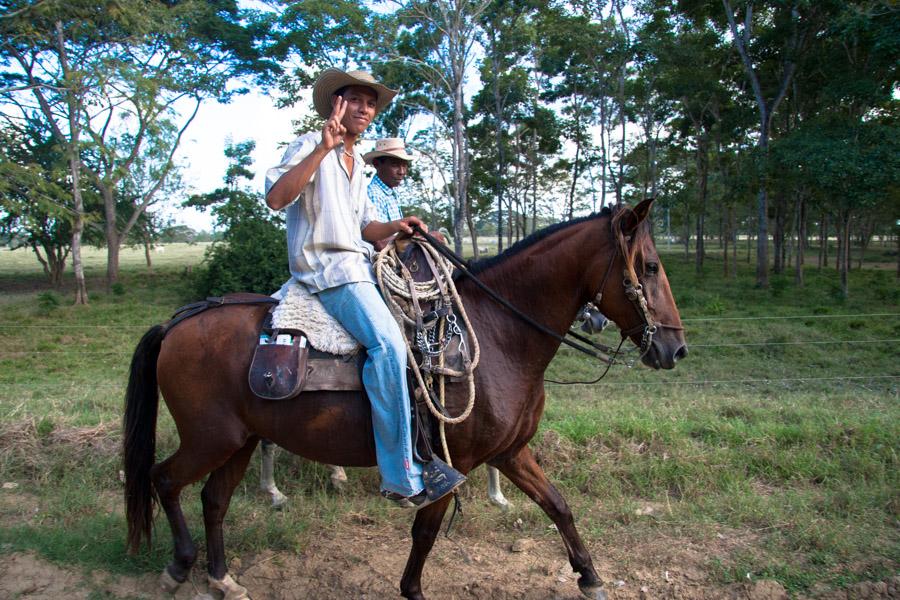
482, 265
633, 245
630, 246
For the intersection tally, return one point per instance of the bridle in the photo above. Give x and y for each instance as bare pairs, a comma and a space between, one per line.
606, 354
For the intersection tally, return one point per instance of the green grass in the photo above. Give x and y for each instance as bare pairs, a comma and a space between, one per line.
779, 431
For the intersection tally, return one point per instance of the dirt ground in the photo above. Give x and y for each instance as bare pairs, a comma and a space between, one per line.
358, 562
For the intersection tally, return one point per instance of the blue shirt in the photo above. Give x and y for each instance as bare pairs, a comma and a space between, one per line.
384, 199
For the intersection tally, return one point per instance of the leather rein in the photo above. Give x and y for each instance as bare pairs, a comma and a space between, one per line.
602, 352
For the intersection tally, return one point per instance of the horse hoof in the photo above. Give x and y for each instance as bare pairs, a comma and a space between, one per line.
278, 499
593, 592
229, 588
501, 502
168, 583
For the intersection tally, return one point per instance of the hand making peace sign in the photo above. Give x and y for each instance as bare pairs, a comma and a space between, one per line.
333, 131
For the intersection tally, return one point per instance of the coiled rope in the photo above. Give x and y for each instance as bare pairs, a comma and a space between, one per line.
396, 283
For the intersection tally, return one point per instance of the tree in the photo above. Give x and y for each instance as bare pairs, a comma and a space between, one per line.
506, 37
785, 28
34, 198
252, 254
108, 79
436, 43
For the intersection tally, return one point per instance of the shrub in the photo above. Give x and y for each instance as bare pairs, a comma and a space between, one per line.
251, 257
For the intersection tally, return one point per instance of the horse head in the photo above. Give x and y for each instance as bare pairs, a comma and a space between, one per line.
634, 290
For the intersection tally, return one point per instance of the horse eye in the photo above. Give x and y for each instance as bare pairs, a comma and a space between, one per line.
652, 268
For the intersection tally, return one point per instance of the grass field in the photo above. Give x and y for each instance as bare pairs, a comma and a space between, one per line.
780, 429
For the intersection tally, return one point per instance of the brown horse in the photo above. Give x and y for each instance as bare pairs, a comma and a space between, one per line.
201, 368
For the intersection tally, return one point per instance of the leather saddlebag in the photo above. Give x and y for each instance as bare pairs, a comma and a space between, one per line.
278, 371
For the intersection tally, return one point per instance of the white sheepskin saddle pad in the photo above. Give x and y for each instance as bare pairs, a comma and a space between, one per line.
298, 309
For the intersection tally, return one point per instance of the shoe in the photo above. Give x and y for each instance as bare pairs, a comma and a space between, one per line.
416, 502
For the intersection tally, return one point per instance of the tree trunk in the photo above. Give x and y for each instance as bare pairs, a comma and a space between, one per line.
603, 157
723, 226
801, 240
734, 241
845, 258
460, 168
113, 241
699, 250
839, 258
865, 237
703, 172
897, 237
778, 235
570, 208
74, 108
498, 140
741, 41
749, 245
81, 295
147, 258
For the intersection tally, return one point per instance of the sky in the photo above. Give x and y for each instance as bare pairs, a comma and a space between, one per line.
249, 117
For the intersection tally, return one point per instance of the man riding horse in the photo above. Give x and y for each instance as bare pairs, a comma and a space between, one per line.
330, 224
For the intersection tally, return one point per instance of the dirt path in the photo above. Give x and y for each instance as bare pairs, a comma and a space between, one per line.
357, 563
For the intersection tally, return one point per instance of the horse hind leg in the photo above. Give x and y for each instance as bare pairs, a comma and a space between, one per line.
216, 497
338, 478
495, 492
169, 478
267, 474
523, 470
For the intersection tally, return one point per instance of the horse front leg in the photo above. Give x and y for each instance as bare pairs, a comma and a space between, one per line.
424, 532
523, 470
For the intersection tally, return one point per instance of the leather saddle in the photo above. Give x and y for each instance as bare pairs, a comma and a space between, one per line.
282, 371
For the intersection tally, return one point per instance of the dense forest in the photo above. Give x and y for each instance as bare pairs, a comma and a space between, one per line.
770, 125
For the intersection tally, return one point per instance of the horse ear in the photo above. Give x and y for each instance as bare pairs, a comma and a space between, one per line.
637, 216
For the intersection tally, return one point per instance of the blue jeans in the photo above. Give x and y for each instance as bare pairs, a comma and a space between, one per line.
360, 308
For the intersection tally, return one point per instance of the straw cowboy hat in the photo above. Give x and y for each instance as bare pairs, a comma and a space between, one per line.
388, 147
331, 80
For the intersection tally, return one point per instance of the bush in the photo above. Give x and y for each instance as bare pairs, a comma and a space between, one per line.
252, 256
47, 302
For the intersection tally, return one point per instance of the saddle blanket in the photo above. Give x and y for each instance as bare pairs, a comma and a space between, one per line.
298, 309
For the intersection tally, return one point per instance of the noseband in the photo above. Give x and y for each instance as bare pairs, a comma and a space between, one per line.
635, 294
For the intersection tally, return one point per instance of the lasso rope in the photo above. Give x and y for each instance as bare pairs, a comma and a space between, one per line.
397, 283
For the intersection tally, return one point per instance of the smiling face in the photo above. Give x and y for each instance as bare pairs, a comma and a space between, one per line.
391, 170
361, 103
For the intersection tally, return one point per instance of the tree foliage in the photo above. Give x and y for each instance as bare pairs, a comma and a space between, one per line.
252, 254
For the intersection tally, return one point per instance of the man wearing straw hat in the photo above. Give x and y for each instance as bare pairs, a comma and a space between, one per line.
391, 162
330, 223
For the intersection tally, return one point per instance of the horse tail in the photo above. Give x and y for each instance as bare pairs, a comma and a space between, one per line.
139, 443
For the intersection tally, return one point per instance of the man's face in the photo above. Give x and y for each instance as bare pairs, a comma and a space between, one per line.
360, 108
391, 170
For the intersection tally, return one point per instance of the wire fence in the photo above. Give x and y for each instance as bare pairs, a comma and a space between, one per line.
72, 384
127, 351
116, 352
152, 322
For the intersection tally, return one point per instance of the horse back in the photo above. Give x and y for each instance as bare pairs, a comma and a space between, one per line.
202, 373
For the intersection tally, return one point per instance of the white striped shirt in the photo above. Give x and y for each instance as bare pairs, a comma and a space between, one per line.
325, 220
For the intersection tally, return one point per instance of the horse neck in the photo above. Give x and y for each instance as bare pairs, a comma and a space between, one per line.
548, 281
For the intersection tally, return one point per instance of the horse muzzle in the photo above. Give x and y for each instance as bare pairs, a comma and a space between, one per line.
664, 356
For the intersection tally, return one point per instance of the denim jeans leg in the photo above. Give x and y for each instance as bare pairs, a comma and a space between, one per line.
360, 308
